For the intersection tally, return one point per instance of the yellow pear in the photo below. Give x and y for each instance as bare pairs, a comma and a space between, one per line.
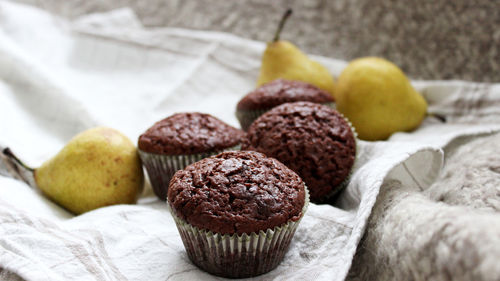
378, 99
282, 59
98, 167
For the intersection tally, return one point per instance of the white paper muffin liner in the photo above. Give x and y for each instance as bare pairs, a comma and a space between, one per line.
237, 256
161, 168
246, 117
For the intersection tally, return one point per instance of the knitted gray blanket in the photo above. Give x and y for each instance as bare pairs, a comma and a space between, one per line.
444, 232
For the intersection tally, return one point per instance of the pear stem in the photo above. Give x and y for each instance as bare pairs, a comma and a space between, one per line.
16, 168
285, 16
7, 152
439, 117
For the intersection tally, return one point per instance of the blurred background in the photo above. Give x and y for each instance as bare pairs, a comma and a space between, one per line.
429, 39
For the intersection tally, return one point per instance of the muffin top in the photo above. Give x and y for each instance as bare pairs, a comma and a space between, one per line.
237, 192
189, 133
312, 139
281, 91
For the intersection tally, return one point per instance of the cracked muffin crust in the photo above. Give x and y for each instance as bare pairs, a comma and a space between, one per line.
281, 91
189, 133
313, 140
274, 93
179, 140
237, 192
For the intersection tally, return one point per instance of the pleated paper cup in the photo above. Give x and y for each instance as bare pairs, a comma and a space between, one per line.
161, 168
237, 256
246, 117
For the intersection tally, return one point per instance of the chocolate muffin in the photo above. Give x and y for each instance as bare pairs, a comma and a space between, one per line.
237, 212
275, 93
181, 139
312, 139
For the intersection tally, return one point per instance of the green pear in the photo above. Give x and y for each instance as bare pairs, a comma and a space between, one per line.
378, 99
282, 59
98, 167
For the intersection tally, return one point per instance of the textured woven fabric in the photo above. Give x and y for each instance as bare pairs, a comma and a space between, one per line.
438, 39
